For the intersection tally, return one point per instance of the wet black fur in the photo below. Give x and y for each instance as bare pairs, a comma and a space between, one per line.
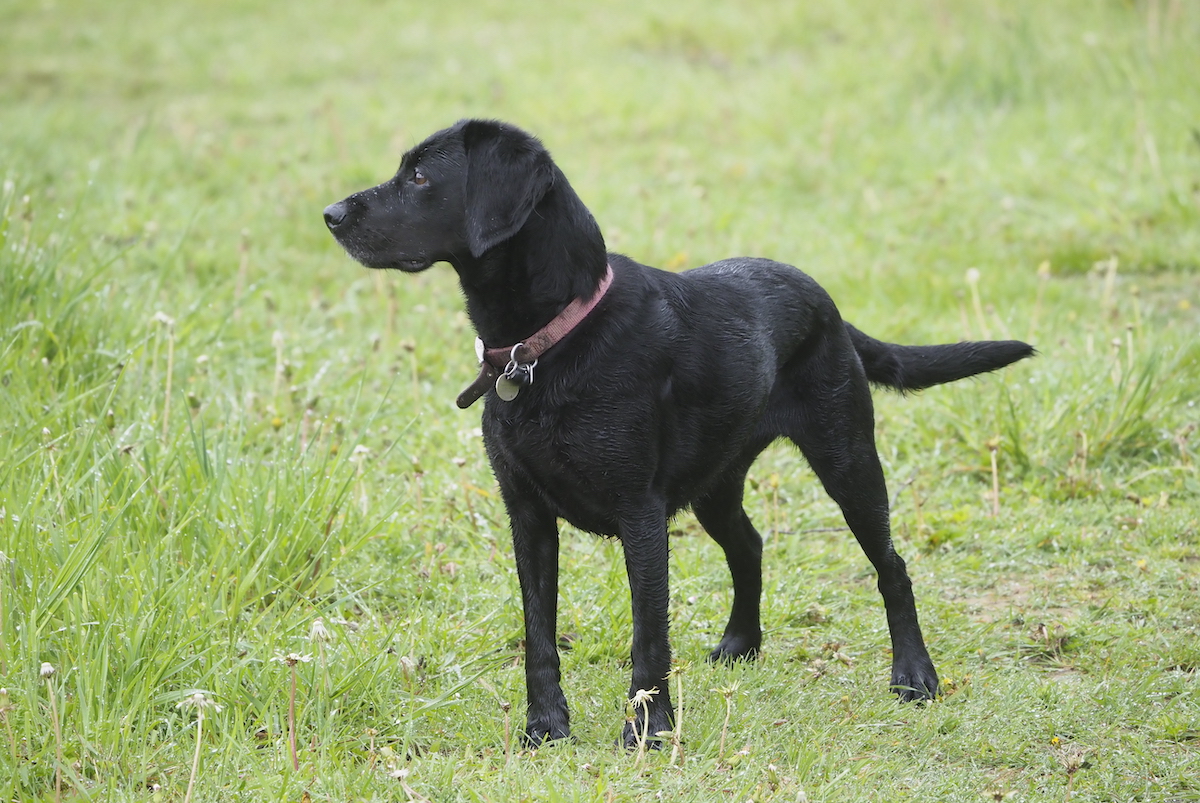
660, 400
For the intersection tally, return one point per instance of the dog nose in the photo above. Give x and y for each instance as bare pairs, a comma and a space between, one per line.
335, 214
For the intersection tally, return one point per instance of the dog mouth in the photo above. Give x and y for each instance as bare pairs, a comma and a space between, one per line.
407, 265
411, 265
375, 261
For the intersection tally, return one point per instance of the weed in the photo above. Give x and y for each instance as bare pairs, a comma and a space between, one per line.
47, 673
290, 660
201, 704
727, 694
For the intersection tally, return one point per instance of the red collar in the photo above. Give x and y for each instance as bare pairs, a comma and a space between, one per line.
494, 361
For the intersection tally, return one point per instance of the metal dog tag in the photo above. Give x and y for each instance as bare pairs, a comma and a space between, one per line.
506, 388
515, 375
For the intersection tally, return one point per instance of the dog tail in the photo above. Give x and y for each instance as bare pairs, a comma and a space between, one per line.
906, 368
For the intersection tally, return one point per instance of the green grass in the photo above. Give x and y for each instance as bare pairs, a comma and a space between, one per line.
215, 429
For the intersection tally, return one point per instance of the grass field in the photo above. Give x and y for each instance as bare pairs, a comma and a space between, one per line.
231, 465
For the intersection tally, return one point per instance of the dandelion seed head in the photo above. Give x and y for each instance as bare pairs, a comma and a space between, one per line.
198, 700
318, 631
292, 658
643, 696
47, 671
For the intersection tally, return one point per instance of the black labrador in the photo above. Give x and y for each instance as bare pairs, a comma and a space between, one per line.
653, 391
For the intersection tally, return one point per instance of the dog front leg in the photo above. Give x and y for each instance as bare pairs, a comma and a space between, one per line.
644, 534
535, 544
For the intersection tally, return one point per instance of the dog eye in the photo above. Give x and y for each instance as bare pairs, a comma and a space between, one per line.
419, 179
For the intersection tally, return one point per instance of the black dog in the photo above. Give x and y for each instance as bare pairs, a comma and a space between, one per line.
653, 391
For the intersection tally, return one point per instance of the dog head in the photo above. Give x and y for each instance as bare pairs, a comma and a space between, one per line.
457, 195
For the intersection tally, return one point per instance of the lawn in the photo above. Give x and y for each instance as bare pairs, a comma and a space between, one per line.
250, 549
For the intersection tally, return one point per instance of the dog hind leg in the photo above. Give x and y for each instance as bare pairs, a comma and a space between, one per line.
833, 424
721, 514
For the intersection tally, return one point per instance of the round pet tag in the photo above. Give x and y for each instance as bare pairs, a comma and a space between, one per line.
507, 389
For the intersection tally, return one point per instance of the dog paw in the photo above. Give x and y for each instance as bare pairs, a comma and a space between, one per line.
915, 684
735, 648
543, 731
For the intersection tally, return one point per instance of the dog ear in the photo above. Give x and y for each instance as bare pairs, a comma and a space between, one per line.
508, 173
